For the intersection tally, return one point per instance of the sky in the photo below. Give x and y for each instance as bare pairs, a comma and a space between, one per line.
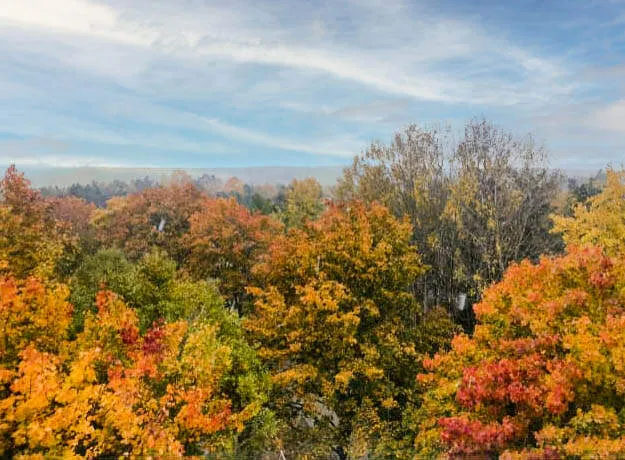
199, 83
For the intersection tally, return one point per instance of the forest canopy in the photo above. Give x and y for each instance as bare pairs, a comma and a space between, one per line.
443, 299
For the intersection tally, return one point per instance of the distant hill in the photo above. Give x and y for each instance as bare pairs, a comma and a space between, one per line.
49, 176
326, 175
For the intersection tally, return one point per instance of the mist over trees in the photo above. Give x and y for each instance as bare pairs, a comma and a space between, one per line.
446, 298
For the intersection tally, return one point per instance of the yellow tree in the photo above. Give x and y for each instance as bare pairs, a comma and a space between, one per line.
337, 326
600, 220
32, 314
302, 202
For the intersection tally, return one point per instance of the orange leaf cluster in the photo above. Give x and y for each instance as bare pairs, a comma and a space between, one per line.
224, 241
110, 391
546, 359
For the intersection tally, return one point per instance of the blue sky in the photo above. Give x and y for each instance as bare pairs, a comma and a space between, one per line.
195, 83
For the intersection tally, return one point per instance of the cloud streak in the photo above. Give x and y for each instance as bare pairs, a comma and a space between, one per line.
332, 147
402, 70
286, 78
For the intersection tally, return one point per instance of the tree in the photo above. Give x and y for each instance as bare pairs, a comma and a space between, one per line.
75, 212
155, 217
580, 191
233, 185
599, 220
98, 193
73, 216
144, 285
475, 206
30, 240
210, 184
302, 202
542, 375
501, 201
224, 241
252, 199
152, 286
337, 326
33, 314
181, 387
410, 177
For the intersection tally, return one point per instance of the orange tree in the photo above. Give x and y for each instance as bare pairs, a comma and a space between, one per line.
543, 374
30, 238
336, 324
154, 217
224, 241
181, 387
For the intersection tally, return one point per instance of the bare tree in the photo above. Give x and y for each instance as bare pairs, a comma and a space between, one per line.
476, 205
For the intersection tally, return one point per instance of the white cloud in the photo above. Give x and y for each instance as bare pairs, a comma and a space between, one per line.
405, 59
72, 17
162, 65
609, 118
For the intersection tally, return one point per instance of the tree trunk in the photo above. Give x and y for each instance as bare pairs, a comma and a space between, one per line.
340, 452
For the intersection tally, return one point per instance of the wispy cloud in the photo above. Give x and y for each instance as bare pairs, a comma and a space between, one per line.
338, 147
406, 66
376, 111
227, 77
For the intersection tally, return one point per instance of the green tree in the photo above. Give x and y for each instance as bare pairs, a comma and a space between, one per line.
303, 201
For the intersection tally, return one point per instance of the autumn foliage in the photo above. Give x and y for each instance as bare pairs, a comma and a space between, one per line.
30, 239
155, 217
111, 390
171, 322
224, 241
543, 373
336, 324
601, 220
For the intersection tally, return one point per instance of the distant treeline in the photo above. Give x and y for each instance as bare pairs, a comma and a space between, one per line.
265, 198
